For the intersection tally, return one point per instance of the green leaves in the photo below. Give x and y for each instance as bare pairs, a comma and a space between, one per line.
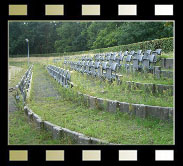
64, 37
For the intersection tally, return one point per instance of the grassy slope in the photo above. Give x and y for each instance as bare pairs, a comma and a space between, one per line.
168, 55
20, 131
146, 78
116, 128
23, 133
95, 87
143, 77
137, 76
16, 78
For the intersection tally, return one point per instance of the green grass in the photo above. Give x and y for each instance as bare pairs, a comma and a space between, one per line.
15, 79
103, 89
20, 131
96, 87
136, 76
116, 128
145, 78
167, 55
139, 76
22, 64
23, 133
69, 112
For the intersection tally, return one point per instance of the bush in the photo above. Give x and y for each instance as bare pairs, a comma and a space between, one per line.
166, 44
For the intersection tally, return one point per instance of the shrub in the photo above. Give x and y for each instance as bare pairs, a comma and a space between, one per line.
166, 44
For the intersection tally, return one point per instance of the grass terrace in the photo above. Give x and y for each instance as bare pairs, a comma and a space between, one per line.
102, 89
61, 105
136, 76
69, 112
167, 55
21, 132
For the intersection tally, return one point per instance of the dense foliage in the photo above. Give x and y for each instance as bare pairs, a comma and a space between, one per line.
52, 37
166, 44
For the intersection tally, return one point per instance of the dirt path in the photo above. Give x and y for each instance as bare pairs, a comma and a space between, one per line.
43, 87
12, 106
13, 71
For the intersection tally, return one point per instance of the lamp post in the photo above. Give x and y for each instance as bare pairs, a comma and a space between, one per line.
27, 40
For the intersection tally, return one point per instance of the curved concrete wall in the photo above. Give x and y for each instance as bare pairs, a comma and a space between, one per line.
167, 63
139, 110
154, 88
60, 132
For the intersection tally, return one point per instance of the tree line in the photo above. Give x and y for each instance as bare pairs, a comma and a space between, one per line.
52, 36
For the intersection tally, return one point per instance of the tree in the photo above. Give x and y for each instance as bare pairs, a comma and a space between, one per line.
41, 35
51, 36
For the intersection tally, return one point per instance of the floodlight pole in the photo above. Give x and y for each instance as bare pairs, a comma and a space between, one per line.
28, 50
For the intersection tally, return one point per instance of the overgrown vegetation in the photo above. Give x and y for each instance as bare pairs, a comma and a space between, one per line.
69, 111
104, 89
20, 131
63, 106
16, 78
142, 77
145, 78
